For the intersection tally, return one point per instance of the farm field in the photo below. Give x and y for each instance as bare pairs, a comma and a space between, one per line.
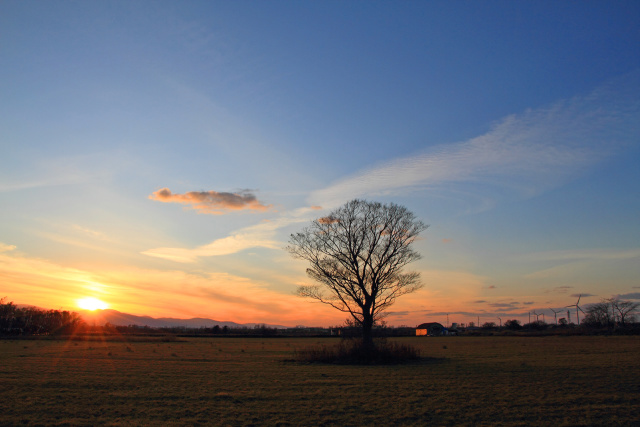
252, 381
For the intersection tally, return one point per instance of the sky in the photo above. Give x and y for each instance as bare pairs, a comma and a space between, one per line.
157, 155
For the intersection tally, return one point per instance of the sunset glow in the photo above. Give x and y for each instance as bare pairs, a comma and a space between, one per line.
92, 304
156, 157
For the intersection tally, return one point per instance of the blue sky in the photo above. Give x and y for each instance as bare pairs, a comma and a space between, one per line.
156, 155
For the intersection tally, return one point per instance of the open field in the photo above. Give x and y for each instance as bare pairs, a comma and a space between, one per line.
235, 381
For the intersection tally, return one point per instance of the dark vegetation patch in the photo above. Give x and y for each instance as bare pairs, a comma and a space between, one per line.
354, 352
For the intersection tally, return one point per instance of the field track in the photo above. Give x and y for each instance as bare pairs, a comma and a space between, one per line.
252, 381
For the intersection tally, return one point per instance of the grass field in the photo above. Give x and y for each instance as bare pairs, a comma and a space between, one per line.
251, 381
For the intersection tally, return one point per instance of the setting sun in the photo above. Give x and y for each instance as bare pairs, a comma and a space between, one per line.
92, 304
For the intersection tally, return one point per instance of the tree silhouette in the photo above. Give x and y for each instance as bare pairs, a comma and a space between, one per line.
625, 310
357, 254
611, 312
513, 324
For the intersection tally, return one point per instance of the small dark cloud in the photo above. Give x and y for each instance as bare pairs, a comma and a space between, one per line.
503, 305
398, 313
632, 295
582, 295
491, 287
506, 306
528, 303
328, 220
212, 202
560, 289
480, 301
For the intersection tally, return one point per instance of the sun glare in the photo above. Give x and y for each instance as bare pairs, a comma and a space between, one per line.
92, 304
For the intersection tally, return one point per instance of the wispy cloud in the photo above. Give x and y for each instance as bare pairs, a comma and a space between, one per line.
585, 255
254, 237
262, 235
6, 248
588, 262
212, 202
559, 290
529, 152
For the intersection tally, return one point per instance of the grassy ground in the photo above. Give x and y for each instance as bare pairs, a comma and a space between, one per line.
466, 381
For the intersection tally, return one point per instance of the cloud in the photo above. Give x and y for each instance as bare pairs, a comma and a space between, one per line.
91, 233
225, 246
586, 254
529, 153
6, 248
397, 313
585, 295
212, 202
632, 295
579, 266
558, 290
257, 236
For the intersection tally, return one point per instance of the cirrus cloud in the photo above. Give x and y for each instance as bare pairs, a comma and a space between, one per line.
212, 202
527, 153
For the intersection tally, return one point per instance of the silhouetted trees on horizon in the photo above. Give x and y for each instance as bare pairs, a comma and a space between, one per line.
611, 315
16, 320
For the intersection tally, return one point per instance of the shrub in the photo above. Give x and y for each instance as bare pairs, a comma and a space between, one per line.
353, 352
513, 324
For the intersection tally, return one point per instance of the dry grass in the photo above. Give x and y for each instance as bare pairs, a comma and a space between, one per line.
469, 381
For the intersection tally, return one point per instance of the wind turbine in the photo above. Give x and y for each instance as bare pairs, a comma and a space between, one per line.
555, 314
537, 315
578, 309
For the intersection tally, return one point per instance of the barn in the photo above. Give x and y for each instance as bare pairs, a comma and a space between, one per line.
430, 329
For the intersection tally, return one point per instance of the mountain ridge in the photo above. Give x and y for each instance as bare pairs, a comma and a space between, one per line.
117, 318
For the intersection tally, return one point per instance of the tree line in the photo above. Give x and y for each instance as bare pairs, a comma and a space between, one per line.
16, 320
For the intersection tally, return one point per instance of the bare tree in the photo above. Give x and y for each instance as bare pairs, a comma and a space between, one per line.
625, 310
357, 254
599, 314
611, 311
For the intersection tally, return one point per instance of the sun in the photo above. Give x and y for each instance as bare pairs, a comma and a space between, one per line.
92, 304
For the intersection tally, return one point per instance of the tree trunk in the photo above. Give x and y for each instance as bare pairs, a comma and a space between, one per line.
367, 332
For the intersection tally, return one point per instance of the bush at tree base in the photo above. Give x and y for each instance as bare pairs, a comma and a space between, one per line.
354, 352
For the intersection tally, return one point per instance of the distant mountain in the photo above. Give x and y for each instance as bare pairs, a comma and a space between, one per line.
100, 317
